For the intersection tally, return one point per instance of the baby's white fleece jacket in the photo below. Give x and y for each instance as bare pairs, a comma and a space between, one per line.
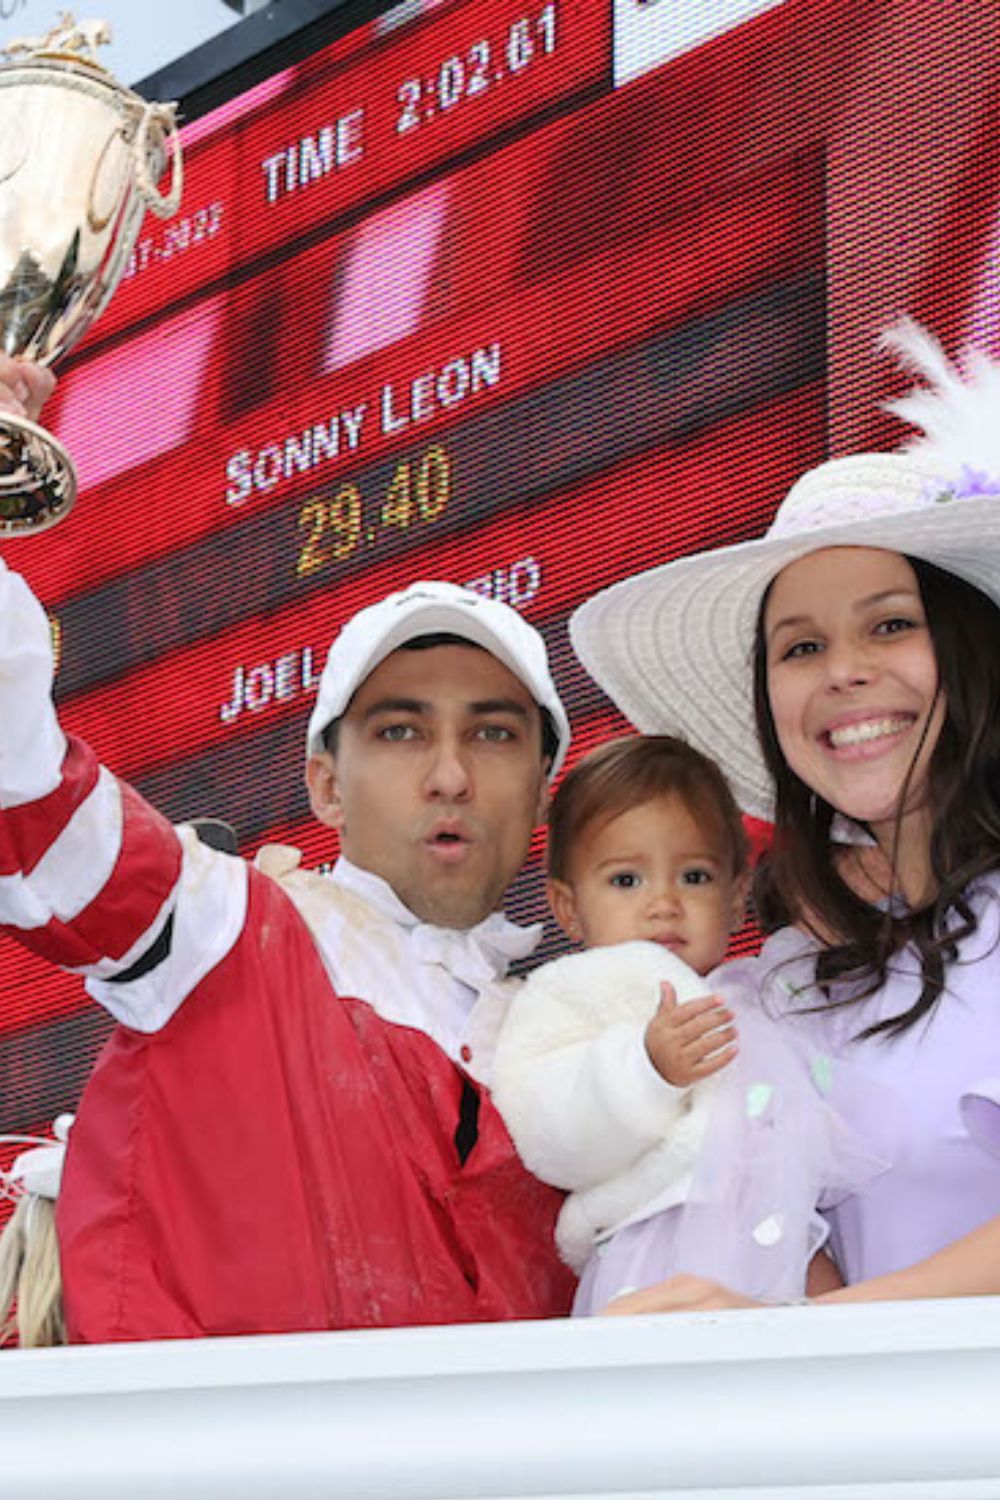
587, 1110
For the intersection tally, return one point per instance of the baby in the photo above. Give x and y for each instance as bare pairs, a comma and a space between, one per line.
690, 1132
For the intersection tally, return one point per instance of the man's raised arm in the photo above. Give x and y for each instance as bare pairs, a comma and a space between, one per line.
90, 875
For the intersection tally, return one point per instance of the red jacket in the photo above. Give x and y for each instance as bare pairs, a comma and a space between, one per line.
279, 1158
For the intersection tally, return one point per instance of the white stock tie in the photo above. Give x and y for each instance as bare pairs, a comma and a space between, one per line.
478, 956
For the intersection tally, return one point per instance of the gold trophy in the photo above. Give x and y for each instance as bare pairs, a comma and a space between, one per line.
81, 157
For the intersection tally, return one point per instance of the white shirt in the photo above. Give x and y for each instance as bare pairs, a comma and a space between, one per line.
448, 983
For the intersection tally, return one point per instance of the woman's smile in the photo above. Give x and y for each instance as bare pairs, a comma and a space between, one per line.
867, 736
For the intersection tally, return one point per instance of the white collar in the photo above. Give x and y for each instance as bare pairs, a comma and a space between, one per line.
373, 890
475, 955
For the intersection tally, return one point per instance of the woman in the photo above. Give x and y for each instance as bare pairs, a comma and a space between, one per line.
871, 614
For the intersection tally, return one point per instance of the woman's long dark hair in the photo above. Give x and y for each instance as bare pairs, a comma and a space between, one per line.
799, 880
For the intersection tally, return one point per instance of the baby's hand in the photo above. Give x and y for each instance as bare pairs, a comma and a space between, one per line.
690, 1041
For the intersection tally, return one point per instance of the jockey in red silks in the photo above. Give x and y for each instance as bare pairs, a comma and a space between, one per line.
291, 1127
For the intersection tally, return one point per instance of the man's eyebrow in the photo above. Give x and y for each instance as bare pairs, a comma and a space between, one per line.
479, 707
499, 706
396, 706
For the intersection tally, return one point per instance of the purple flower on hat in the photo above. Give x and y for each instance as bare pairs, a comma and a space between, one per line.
974, 482
969, 484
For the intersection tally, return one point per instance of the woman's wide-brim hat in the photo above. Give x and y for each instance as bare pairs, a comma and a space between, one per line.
673, 647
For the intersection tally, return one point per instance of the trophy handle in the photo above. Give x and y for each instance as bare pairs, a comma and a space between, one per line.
162, 117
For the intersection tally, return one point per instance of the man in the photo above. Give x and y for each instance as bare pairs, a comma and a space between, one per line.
288, 1130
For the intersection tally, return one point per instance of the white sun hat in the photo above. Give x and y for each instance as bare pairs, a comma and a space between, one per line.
673, 647
432, 609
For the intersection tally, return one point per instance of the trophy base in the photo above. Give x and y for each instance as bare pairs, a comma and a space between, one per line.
37, 478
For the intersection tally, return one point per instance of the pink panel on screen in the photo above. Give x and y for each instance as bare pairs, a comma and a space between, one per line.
387, 277
227, 114
137, 401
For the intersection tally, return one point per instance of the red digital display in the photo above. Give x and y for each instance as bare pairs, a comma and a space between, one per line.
444, 300
342, 134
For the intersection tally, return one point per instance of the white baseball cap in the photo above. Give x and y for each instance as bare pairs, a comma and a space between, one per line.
432, 609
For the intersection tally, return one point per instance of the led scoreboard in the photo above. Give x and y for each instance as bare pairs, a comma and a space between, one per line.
443, 300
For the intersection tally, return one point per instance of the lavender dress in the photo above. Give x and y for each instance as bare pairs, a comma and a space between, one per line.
932, 1096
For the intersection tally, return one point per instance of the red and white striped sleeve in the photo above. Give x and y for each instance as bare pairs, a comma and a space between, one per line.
91, 877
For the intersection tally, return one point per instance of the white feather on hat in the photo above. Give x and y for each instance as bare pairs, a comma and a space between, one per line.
956, 411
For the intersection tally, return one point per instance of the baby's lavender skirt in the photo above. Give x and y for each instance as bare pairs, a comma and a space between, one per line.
776, 1150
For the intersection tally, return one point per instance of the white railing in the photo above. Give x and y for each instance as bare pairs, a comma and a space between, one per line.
899, 1400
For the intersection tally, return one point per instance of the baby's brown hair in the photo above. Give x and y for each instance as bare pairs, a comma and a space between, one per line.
624, 773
